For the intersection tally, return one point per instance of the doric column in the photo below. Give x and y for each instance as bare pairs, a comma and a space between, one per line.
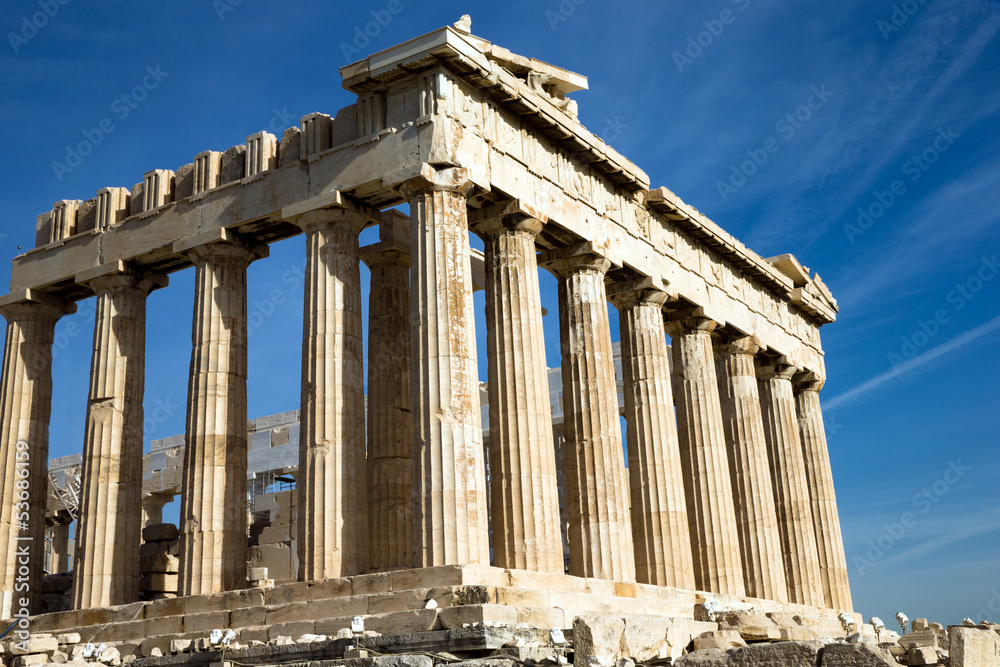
822, 499
390, 420
791, 490
59, 551
757, 521
600, 529
711, 514
524, 489
106, 558
449, 478
213, 491
25, 407
332, 522
659, 510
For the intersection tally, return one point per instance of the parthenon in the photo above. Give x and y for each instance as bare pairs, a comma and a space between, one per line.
727, 494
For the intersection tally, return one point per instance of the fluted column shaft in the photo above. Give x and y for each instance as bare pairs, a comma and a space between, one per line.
600, 529
524, 488
708, 486
757, 521
106, 559
25, 408
659, 511
449, 478
332, 520
823, 499
214, 488
390, 420
791, 490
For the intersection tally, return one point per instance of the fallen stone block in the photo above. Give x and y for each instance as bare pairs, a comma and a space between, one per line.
922, 655
644, 638
856, 655
720, 639
532, 655
944, 639
110, 656
160, 532
925, 637
31, 660
711, 657
604, 640
752, 626
69, 638
59, 657
597, 639
180, 645
780, 654
34, 645
973, 647
918, 624
401, 661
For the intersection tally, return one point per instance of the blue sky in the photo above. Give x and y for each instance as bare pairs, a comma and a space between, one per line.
902, 126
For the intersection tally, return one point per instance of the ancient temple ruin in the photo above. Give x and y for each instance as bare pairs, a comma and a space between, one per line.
728, 494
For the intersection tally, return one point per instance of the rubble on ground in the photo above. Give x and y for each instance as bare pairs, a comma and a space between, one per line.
725, 638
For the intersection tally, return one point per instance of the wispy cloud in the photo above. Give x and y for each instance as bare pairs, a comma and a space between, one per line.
907, 367
902, 94
950, 220
949, 531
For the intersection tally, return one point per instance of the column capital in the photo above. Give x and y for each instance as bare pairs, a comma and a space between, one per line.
808, 381
748, 345
384, 253
634, 292
779, 369
681, 322
27, 303
564, 262
121, 276
329, 208
393, 246
220, 243
312, 221
514, 215
427, 178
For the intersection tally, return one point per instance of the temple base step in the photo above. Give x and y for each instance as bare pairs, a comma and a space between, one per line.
460, 608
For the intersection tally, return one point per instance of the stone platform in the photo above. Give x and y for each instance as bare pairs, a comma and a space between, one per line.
396, 603
472, 643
